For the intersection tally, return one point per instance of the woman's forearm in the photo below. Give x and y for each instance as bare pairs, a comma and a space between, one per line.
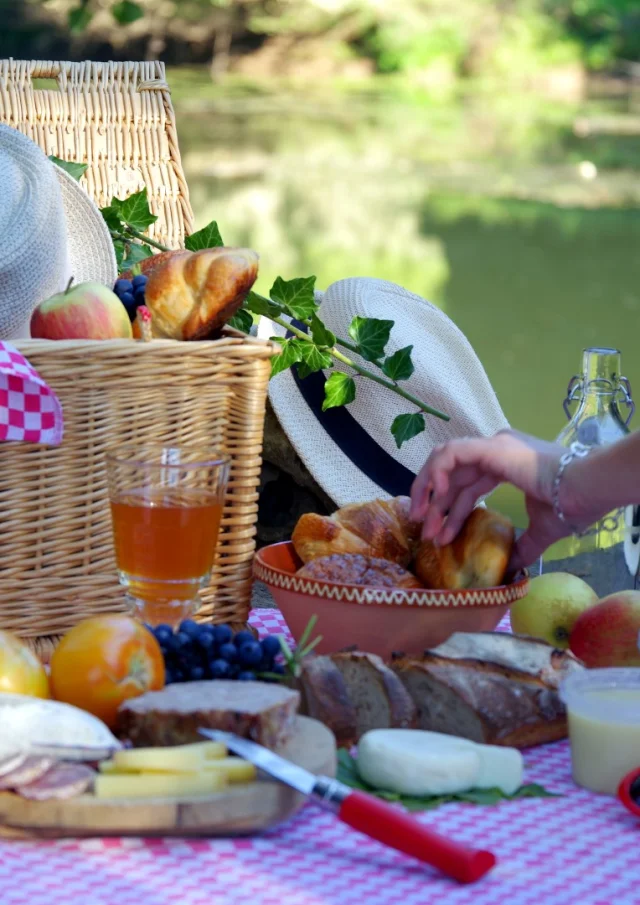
608, 478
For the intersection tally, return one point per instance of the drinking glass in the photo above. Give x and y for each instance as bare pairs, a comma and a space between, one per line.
166, 506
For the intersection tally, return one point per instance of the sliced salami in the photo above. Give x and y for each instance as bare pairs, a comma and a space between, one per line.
30, 770
63, 780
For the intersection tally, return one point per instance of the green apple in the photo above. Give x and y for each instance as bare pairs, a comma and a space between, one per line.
552, 606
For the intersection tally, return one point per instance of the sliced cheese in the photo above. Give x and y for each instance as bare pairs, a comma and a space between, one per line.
233, 768
158, 785
210, 750
181, 759
404, 761
413, 762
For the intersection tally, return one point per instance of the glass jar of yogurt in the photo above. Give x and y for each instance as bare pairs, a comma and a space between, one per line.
603, 707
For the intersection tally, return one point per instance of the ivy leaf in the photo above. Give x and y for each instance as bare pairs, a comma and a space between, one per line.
296, 296
313, 358
321, 335
533, 790
77, 170
127, 12
371, 336
134, 210
259, 305
399, 365
208, 237
79, 18
135, 252
242, 320
112, 218
289, 355
340, 389
119, 248
405, 427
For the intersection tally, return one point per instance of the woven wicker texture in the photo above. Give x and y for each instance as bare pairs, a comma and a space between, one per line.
115, 117
56, 551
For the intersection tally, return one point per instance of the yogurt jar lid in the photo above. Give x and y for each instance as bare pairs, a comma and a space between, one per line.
580, 692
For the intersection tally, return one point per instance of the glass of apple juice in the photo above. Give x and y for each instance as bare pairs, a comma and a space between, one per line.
166, 507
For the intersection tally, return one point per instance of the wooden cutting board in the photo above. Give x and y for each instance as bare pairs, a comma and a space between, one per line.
239, 810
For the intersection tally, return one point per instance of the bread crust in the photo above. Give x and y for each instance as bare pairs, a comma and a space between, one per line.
325, 697
402, 708
477, 558
354, 569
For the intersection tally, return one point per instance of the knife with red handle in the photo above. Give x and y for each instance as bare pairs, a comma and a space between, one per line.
368, 815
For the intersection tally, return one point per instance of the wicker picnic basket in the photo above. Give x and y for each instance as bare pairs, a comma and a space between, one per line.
56, 558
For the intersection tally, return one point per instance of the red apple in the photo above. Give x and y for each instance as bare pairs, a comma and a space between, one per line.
608, 634
85, 311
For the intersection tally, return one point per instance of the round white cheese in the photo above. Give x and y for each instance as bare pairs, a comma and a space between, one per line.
411, 762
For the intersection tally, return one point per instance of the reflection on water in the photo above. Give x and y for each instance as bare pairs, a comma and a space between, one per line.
522, 222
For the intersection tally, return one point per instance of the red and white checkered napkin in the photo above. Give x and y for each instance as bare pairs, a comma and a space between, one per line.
29, 409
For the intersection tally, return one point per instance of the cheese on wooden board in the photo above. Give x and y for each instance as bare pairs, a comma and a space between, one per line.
414, 762
158, 785
233, 768
181, 759
210, 750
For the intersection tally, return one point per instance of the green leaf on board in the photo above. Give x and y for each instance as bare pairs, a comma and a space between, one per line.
134, 210
289, 355
79, 18
127, 12
348, 774
339, 389
399, 365
207, 237
405, 427
371, 335
321, 335
260, 305
69, 166
242, 320
297, 296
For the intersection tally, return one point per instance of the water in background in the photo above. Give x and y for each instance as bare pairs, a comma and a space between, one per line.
520, 218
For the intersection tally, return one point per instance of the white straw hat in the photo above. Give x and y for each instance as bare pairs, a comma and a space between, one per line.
50, 230
350, 451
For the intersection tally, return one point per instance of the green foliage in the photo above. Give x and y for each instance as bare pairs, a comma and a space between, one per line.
77, 170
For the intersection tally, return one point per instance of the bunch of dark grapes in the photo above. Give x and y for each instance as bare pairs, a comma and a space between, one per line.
195, 652
131, 293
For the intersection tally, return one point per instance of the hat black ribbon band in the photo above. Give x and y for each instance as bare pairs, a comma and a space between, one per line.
352, 439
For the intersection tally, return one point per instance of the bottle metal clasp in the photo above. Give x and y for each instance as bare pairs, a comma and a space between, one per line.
575, 390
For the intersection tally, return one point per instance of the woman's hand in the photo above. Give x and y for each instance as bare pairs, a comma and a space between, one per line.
458, 473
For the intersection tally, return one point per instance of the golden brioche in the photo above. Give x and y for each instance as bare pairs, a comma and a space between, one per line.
381, 529
352, 568
477, 558
192, 294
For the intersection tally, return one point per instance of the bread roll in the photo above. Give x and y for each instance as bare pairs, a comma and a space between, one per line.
352, 568
192, 294
381, 529
477, 558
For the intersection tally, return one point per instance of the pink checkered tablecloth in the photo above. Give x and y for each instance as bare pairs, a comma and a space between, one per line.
581, 849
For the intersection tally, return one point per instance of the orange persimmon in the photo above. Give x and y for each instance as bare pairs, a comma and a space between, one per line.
104, 661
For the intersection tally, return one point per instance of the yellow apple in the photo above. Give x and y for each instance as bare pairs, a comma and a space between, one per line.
552, 606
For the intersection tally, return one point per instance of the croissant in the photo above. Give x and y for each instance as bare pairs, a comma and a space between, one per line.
381, 529
477, 558
192, 294
351, 568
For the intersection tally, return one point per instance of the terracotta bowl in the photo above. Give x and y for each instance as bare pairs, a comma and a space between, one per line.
379, 621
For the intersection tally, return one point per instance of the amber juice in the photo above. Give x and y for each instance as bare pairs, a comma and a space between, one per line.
165, 540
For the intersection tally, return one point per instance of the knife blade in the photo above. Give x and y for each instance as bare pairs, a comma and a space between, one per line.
632, 541
363, 812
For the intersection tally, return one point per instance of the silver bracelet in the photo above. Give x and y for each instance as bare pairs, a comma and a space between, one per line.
575, 451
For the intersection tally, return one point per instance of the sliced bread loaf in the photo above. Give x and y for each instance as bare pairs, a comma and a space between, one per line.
377, 694
473, 701
325, 697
